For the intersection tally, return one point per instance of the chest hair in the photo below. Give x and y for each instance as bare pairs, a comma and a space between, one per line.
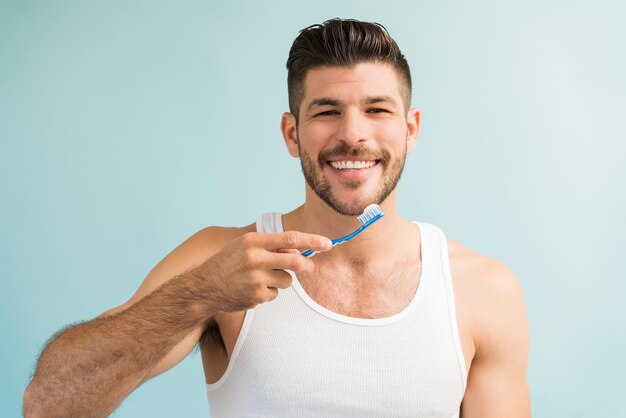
361, 291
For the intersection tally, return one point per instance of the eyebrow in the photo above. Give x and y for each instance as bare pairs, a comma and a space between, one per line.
322, 101
381, 99
327, 101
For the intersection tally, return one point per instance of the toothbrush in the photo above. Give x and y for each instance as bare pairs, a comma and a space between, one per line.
371, 214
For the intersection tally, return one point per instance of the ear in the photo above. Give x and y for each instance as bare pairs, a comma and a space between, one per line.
413, 127
290, 133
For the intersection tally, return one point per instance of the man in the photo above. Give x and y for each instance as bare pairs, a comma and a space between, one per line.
400, 321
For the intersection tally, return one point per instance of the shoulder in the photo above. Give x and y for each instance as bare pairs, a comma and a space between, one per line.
204, 244
192, 252
490, 305
217, 236
489, 296
479, 269
200, 246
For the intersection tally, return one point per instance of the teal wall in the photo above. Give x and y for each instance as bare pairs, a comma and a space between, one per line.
126, 126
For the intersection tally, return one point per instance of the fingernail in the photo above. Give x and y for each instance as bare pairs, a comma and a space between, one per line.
327, 244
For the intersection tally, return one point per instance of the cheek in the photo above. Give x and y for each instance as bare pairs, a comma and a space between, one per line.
312, 138
320, 130
394, 137
308, 149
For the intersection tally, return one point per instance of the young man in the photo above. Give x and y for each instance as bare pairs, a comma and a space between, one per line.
400, 321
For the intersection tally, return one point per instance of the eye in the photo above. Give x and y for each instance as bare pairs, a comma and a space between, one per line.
377, 110
328, 113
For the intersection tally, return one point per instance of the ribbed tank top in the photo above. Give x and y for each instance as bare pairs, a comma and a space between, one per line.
295, 358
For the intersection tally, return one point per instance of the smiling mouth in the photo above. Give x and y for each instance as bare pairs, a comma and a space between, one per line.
352, 165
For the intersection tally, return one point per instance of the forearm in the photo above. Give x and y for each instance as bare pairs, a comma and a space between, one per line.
90, 368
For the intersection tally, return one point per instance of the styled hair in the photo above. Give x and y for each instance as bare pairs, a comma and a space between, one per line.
342, 43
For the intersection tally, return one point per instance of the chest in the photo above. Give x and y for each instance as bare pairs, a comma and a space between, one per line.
363, 293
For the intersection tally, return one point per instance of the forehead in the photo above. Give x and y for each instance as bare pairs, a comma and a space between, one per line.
363, 79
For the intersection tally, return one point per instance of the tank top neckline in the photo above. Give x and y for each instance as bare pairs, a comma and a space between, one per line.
415, 300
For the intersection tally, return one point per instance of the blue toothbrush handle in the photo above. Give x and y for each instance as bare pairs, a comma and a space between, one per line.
311, 253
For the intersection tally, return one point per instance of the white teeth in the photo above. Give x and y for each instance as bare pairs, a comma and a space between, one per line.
349, 165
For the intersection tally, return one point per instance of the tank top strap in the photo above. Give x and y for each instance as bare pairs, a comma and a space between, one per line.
430, 248
269, 222
437, 259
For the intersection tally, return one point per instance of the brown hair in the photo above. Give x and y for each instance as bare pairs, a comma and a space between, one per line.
342, 43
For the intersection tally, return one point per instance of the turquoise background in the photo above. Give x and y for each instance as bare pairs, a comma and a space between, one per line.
126, 126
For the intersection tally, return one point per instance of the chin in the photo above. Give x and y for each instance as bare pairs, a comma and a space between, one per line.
350, 207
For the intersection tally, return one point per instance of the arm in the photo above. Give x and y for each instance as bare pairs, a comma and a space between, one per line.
497, 385
88, 369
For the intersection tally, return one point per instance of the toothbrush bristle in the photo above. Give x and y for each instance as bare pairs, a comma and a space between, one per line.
370, 212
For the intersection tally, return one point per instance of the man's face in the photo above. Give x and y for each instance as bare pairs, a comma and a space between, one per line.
352, 135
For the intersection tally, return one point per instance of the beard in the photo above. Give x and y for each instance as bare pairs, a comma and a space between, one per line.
313, 173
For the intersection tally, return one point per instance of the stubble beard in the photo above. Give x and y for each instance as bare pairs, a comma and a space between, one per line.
313, 173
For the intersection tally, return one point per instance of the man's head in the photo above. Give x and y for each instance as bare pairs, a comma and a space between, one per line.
350, 122
342, 43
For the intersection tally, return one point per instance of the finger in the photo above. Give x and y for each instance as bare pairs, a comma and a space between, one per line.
271, 294
287, 251
279, 279
289, 261
294, 240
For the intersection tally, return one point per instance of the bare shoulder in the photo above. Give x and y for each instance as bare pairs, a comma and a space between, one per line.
192, 252
212, 239
206, 242
480, 270
495, 334
489, 297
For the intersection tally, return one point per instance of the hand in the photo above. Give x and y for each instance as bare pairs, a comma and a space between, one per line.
249, 270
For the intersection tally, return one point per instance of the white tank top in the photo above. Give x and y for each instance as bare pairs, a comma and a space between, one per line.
295, 358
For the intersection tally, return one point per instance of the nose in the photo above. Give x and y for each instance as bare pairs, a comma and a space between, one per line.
353, 127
